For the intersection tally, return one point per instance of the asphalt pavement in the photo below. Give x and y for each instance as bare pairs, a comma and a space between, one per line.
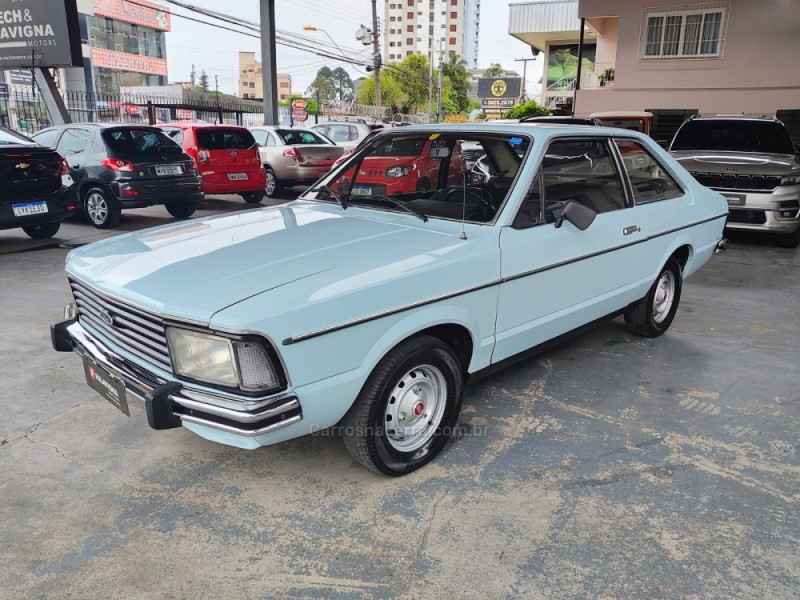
610, 467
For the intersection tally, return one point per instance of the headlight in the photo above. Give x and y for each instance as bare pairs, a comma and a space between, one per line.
217, 360
395, 172
790, 180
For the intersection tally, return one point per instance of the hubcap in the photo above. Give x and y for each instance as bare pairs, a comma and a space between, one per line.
415, 408
270, 183
664, 296
97, 208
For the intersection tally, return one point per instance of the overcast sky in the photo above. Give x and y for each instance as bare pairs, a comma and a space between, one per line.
216, 50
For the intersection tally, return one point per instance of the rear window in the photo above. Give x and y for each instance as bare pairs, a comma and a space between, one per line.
132, 140
292, 137
224, 139
736, 136
402, 147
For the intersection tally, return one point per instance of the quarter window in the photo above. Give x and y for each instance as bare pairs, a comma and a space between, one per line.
684, 34
74, 141
649, 179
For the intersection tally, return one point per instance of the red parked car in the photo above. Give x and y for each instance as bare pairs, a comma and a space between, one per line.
226, 156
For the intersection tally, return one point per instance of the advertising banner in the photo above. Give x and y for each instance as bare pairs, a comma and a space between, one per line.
499, 87
41, 33
141, 12
122, 61
562, 62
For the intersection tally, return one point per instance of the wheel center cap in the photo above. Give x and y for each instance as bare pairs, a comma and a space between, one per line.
419, 408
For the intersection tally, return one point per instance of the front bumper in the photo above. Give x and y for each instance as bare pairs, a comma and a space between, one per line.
769, 212
169, 403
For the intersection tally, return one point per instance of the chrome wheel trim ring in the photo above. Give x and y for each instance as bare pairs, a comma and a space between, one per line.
415, 408
97, 208
664, 296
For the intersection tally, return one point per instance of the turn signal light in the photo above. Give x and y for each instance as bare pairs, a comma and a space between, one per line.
117, 164
64, 167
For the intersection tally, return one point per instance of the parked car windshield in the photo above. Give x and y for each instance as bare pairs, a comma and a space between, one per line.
293, 137
133, 140
12, 137
219, 138
735, 135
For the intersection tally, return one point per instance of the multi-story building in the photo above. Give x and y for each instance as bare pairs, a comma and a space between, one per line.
250, 82
431, 26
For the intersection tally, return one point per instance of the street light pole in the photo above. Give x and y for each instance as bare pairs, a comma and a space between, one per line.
311, 28
269, 76
376, 58
524, 62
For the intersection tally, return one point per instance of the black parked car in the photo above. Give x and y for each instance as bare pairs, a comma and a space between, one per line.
561, 120
118, 167
36, 190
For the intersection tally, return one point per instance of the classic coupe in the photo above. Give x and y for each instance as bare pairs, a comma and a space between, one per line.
369, 313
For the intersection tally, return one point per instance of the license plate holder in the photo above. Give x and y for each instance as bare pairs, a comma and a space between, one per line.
34, 207
237, 176
734, 199
169, 170
105, 384
361, 190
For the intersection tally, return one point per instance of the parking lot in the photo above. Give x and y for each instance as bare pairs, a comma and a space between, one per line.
611, 466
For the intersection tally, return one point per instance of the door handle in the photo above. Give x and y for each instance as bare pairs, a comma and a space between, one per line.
631, 229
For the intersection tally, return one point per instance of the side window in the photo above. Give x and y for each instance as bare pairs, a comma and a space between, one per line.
353, 132
176, 135
270, 141
582, 171
260, 136
74, 141
338, 133
530, 213
649, 179
47, 138
323, 129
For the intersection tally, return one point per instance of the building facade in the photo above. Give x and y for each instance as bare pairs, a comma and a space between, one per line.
251, 84
429, 27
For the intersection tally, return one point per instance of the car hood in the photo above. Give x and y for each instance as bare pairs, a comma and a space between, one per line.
193, 269
738, 163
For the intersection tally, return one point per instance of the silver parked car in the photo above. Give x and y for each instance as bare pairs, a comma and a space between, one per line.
348, 134
294, 156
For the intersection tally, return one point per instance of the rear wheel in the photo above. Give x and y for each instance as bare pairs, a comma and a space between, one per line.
273, 187
407, 409
788, 241
42, 232
182, 210
253, 197
101, 211
652, 315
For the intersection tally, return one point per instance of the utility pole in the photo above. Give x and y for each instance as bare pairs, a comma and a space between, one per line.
216, 90
524, 62
194, 74
376, 58
441, 81
269, 70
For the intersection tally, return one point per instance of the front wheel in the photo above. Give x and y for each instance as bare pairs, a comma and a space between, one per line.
788, 241
42, 232
407, 409
102, 212
181, 210
652, 315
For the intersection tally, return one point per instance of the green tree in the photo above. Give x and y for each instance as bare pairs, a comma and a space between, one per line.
527, 109
494, 70
332, 86
391, 92
343, 84
322, 88
455, 69
203, 86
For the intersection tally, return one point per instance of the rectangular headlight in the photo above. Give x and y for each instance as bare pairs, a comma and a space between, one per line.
203, 357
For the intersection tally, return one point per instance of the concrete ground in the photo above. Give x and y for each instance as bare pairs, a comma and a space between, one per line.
610, 467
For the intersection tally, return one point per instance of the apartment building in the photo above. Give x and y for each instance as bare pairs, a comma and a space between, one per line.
431, 26
251, 84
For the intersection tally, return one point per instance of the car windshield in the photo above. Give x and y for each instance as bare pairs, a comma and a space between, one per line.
770, 137
425, 174
12, 137
135, 140
220, 138
293, 137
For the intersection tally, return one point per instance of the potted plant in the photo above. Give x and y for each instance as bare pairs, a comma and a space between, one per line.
607, 77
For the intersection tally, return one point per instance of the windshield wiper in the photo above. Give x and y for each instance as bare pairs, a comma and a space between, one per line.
326, 188
394, 201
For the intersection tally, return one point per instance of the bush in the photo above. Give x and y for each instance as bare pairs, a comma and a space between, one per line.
527, 109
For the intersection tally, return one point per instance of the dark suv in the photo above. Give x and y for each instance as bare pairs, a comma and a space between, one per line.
117, 167
750, 161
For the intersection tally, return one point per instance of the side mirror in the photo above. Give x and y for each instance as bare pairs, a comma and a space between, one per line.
579, 215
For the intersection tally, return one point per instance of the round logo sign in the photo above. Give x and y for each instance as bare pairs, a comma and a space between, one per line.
299, 104
499, 88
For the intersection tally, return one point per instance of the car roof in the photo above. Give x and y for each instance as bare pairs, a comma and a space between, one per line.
199, 125
540, 129
763, 118
621, 114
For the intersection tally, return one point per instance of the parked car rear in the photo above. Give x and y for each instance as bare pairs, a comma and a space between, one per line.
118, 167
227, 158
36, 190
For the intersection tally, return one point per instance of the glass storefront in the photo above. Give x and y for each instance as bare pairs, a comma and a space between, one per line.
110, 34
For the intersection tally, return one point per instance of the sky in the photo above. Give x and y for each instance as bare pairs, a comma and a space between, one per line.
216, 50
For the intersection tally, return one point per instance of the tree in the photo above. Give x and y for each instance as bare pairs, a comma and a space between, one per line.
391, 92
527, 109
203, 81
455, 69
494, 70
332, 86
343, 84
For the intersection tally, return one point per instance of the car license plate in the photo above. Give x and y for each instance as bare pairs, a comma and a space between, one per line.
169, 170
361, 190
735, 199
106, 385
237, 176
23, 209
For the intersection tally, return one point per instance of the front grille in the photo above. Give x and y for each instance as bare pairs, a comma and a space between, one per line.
753, 217
139, 332
729, 181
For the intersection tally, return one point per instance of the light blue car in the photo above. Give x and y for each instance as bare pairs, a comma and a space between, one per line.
371, 312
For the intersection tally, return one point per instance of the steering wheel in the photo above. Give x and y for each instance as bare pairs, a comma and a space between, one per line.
481, 194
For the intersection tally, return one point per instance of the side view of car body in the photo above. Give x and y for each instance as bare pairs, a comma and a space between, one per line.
36, 190
227, 158
348, 134
117, 167
373, 311
294, 156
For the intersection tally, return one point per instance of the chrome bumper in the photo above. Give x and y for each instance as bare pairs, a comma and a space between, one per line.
169, 403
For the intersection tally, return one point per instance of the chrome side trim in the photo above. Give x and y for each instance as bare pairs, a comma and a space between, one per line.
240, 432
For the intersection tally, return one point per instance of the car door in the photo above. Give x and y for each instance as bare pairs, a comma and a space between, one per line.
558, 278
75, 145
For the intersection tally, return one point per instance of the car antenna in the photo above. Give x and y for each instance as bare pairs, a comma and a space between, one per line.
463, 235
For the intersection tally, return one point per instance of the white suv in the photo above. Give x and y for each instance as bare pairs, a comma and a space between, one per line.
347, 134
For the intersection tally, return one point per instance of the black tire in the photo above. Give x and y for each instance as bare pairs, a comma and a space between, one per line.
424, 185
182, 210
644, 317
253, 197
43, 231
273, 186
100, 210
367, 432
788, 241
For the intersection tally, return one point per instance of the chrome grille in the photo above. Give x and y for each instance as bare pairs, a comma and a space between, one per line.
139, 332
730, 181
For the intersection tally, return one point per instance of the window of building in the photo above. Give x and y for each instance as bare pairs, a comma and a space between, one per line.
454, 2
109, 26
410, 15
410, 41
454, 15
452, 27
410, 29
684, 34
411, 2
409, 53
452, 41
393, 18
